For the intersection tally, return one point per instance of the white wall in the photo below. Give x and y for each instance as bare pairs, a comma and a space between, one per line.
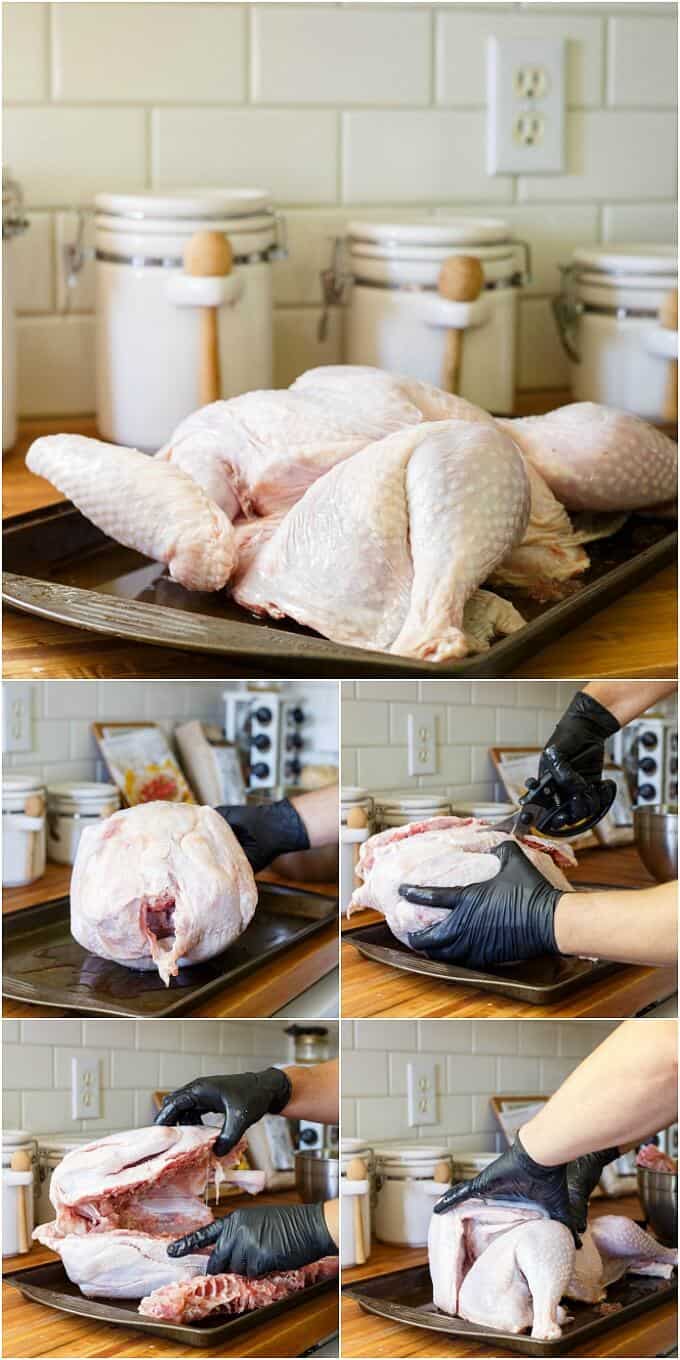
63, 746
476, 1059
136, 1058
339, 110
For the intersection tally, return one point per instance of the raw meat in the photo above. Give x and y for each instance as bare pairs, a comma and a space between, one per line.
160, 885
444, 852
121, 1264
508, 1265
191, 1300
595, 458
389, 561
159, 511
653, 1159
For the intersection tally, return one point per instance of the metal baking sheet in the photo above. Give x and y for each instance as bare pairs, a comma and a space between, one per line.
406, 1296
43, 964
49, 1284
538, 982
59, 566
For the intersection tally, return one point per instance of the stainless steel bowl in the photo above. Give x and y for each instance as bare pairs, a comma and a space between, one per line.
317, 1176
656, 834
659, 1196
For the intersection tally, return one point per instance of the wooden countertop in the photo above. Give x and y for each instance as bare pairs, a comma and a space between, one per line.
261, 994
636, 636
364, 1334
370, 988
34, 1330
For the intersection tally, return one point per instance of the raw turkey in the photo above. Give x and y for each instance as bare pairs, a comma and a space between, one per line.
652, 1158
508, 1265
121, 1200
441, 852
160, 885
229, 1295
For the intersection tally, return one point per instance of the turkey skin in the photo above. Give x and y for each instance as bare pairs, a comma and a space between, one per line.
160, 885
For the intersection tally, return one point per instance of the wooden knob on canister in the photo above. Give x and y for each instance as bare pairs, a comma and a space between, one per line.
208, 254
668, 319
357, 819
461, 279
356, 1171
20, 1161
442, 1173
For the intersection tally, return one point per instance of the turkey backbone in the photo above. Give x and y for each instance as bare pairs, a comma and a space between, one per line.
160, 885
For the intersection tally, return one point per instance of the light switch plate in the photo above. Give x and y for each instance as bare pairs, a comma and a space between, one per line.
17, 734
85, 1088
422, 741
526, 96
421, 1084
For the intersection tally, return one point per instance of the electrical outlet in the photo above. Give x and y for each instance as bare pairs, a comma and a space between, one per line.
526, 106
421, 1083
422, 741
17, 735
85, 1088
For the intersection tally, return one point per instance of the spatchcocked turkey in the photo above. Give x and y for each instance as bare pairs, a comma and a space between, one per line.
369, 506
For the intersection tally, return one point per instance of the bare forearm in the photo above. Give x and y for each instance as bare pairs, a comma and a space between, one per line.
331, 1213
627, 699
627, 927
315, 1093
319, 811
620, 1093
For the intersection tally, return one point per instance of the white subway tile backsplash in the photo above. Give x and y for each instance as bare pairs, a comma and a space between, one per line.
55, 365
541, 360
31, 264
131, 1068
382, 768
176, 1069
518, 1076
298, 344
11, 1109
611, 155
79, 295
113, 1033
166, 53
348, 1118
517, 726
538, 1037
10, 1031
201, 1036
470, 1074
68, 154
63, 1057
640, 222
165, 1035
467, 724
291, 153
373, 1033
364, 1073
494, 1036
24, 52
382, 1117
48, 1112
553, 1071
118, 1112
36, 1032
17, 1066
435, 1037
463, 36
347, 1034
642, 61
328, 54
367, 724
419, 155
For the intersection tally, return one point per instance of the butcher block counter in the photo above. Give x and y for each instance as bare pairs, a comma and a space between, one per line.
364, 1334
370, 988
636, 636
262, 993
31, 1329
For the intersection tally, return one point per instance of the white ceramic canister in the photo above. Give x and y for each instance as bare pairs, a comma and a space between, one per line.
397, 319
16, 1184
608, 318
366, 1193
408, 1190
70, 808
148, 318
484, 812
19, 1140
51, 1151
352, 838
397, 809
23, 830
13, 224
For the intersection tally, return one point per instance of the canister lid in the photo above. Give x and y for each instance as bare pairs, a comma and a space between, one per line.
351, 793
21, 783
407, 1154
60, 1143
631, 258
449, 231
83, 792
12, 1138
175, 204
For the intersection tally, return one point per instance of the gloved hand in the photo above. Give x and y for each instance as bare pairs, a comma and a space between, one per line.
506, 918
582, 1176
259, 1240
266, 830
515, 1175
243, 1098
577, 743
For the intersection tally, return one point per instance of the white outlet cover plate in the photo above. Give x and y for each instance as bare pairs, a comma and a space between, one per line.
85, 1088
507, 106
422, 741
17, 732
421, 1085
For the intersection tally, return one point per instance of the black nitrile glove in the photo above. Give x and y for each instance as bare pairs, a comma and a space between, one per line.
266, 830
582, 1176
259, 1240
506, 918
242, 1099
515, 1175
577, 744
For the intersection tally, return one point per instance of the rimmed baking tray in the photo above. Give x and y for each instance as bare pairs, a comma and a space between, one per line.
59, 566
49, 1284
43, 964
406, 1296
538, 982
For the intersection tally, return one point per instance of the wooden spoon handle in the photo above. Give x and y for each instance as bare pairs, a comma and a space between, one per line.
359, 1244
453, 358
670, 406
22, 1218
209, 383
